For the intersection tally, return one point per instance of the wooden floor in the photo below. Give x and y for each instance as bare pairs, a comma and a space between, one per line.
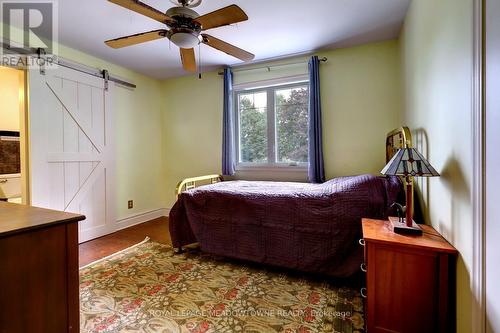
99, 248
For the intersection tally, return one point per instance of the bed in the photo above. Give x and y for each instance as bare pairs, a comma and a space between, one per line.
312, 228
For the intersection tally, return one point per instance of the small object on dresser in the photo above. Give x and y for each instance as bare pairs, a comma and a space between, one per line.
398, 225
408, 163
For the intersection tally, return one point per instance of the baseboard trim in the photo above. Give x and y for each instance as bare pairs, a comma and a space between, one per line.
141, 218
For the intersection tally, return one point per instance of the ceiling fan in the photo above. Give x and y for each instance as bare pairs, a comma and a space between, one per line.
185, 28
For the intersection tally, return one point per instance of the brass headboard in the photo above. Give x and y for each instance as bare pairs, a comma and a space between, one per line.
397, 139
190, 183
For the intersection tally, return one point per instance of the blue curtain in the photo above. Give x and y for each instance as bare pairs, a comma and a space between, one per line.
228, 159
316, 170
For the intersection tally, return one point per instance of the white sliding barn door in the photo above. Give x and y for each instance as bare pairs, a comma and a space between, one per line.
71, 147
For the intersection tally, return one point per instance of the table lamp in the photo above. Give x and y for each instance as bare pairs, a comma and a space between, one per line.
408, 163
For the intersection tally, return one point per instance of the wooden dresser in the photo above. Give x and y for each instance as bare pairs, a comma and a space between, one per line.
39, 287
410, 280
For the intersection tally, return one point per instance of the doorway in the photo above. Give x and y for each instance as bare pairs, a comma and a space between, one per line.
56, 144
14, 166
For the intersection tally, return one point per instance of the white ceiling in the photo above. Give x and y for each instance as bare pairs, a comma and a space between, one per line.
276, 28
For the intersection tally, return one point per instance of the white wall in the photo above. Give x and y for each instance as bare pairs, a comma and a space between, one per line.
437, 58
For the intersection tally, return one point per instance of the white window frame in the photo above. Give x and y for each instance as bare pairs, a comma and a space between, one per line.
268, 86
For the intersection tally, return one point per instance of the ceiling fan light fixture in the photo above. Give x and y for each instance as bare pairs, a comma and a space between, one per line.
185, 40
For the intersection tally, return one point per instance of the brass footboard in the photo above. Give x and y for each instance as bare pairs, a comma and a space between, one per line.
190, 183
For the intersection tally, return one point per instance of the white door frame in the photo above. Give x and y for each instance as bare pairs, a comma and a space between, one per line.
23, 130
478, 191
478, 172
491, 226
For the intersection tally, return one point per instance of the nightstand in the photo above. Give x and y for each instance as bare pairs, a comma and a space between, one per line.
410, 280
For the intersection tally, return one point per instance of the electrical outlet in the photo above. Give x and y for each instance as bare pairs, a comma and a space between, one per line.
130, 204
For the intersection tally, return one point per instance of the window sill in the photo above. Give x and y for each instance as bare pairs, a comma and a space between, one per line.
272, 168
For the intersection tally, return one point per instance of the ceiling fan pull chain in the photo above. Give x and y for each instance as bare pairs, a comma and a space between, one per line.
199, 65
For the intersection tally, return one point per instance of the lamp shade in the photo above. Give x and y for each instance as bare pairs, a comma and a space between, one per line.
409, 162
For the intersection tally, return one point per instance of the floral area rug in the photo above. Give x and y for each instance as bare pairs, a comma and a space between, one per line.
148, 289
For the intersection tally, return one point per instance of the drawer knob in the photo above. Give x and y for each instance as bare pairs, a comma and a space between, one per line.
363, 267
362, 242
363, 292
3, 181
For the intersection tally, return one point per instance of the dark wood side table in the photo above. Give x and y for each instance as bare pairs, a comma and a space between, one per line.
410, 280
39, 281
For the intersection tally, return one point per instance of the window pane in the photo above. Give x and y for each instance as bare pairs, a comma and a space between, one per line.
253, 127
291, 124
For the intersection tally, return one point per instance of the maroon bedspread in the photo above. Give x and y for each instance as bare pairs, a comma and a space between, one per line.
307, 227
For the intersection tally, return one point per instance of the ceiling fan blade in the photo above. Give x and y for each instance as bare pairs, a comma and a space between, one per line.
188, 59
227, 48
143, 9
221, 17
136, 39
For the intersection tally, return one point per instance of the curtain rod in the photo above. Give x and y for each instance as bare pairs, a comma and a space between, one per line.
324, 59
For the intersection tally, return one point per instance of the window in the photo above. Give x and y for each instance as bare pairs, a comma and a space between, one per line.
272, 125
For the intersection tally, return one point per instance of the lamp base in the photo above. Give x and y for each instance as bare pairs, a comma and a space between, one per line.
401, 227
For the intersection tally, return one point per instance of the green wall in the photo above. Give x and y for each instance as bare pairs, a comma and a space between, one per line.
361, 101
436, 49
192, 129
